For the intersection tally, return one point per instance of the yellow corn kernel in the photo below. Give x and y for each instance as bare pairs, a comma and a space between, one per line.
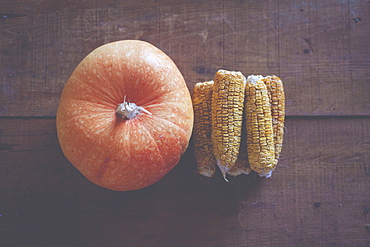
202, 102
260, 137
227, 117
241, 164
275, 90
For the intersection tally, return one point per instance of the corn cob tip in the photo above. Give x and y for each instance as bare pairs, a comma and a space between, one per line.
205, 171
239, 171
199, 86
254, 78
237, 75
223, 170
266, 175
206, 164
241, 167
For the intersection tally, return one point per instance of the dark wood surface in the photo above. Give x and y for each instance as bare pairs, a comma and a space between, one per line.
318, 196
320, 48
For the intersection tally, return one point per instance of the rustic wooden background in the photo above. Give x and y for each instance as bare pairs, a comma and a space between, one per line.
318, 196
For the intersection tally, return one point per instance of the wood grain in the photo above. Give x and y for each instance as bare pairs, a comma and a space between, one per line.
319, 48
318, 196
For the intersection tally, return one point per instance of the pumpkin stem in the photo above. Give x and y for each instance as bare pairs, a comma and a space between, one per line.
127, 110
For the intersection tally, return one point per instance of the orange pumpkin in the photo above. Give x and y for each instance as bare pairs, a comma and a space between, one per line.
125, 115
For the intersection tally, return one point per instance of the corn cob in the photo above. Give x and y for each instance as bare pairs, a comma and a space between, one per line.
202, 101
260, 139
275, 90
227, 117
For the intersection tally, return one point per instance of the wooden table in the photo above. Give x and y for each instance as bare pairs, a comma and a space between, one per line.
318, 196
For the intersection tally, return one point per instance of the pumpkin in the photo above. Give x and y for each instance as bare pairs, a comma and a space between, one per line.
125, 116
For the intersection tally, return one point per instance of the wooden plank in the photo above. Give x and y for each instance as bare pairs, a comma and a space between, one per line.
251, 36
359, 53
40, 46
318, 196
127, 20
191, 33
316, 47
320, 49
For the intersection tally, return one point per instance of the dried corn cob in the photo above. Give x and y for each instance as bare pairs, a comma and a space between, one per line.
260, 139
275, 90
227, 117
202, 102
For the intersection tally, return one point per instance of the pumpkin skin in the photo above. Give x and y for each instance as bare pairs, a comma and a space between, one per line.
125, 154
